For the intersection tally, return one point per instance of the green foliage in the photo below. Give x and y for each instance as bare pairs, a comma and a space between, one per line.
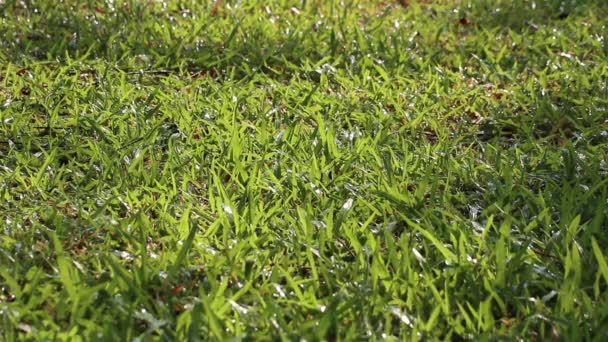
277, 170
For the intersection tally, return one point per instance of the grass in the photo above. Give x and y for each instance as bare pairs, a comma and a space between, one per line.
284, 170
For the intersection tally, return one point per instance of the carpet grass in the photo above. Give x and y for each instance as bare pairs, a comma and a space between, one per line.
303, 170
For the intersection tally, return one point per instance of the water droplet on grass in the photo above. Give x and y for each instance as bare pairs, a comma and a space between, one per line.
418, 256
123, 255
402, 316
548, 296
239, 308
348, 204
326, 69
279, 290
227, 209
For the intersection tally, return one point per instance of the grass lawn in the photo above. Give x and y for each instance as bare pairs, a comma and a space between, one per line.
317, 170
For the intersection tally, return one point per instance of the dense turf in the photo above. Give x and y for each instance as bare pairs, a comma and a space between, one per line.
315, 169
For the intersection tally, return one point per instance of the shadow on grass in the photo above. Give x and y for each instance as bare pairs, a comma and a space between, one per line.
522, 15
145, 35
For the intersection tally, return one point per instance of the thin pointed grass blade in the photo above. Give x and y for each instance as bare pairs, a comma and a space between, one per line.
235, 29
196, 323
124, 274
601, 260
447, 254
183, 252
595, 188
66, 271
215, 322
47, 161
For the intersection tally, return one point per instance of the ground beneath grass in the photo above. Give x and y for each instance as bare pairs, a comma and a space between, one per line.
314, 170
